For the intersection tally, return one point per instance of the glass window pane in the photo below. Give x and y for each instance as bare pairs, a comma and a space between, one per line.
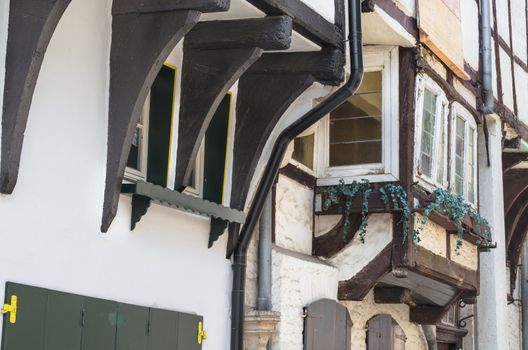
134, 157
460, 157
356, 126
471, 166
441, 148
303, 150
428, 132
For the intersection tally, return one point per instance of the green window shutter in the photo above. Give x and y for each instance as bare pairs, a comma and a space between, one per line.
160, 124
63, 321
99, 329
163, 330
215, 152
132, 327
31, 314
188, 332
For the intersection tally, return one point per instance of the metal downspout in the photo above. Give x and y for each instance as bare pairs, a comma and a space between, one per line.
430, 336
273, 165
264, 258
487, 80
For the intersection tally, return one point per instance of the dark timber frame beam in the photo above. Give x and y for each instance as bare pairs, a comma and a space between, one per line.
265, 93
216, 54
306, 20
142, 39
31, 26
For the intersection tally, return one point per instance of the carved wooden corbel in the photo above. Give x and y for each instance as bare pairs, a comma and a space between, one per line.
143, 35
265, 92
31, 26
216, 54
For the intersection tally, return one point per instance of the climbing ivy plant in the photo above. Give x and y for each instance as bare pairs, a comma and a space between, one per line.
455, 207
394, 196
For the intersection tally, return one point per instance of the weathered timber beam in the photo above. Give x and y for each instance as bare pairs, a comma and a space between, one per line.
515, 184
141, 42
268, 33
306, 21
430, 314
509, 160
263, 97
514, 215
326, 65
31, 26
442, 269
333, 242
357, 287
216, 54
393, 295
144, 6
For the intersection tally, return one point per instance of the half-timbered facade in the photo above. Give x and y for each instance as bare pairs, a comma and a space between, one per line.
140, 140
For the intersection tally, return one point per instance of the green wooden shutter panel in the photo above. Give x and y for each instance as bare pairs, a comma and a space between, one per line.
215, 152
51, 320
160, 122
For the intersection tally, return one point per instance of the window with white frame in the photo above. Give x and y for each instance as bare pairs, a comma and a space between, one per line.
464, 154
432, 111
360, 138
137, 158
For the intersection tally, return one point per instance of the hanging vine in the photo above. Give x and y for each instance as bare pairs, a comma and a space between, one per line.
455, 207
395, 197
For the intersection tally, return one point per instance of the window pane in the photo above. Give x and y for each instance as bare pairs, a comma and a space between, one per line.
356, 126
428, 132
134, 157
471, 165
303, 150
441, 148
460, 155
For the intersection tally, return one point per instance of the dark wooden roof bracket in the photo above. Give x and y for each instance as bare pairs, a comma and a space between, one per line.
216, 54
31, 26
143, 35
265, 92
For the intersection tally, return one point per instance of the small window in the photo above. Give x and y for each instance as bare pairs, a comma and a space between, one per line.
431, 133
464, 154
360, 138
356, 126
450, 318
137, 158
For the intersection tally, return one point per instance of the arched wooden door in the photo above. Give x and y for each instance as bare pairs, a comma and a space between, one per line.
327, 326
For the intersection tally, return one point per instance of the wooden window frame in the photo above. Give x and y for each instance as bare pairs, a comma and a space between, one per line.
131, 174
386, 60
423, 82
471, 131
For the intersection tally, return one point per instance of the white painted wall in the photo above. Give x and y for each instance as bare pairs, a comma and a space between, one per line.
294, 216
469, 17
298, 280
325, 8
52, 220
357, 255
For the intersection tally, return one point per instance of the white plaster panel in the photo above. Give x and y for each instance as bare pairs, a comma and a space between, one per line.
433, 237
297, 282
494, 70
465, 92
294, 216
518, 8
502, 20
467, 255
470, 32
55, 212
362, 311
506, 75
521, 83
407, 6
356, 255
325, 8
324, 223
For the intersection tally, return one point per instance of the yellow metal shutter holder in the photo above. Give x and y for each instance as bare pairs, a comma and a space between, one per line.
11, 309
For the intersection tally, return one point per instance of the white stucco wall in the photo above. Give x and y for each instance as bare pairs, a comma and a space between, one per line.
325, 8
357, 255
514, 317
298, 280
293, 216
469, 17
52, 220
